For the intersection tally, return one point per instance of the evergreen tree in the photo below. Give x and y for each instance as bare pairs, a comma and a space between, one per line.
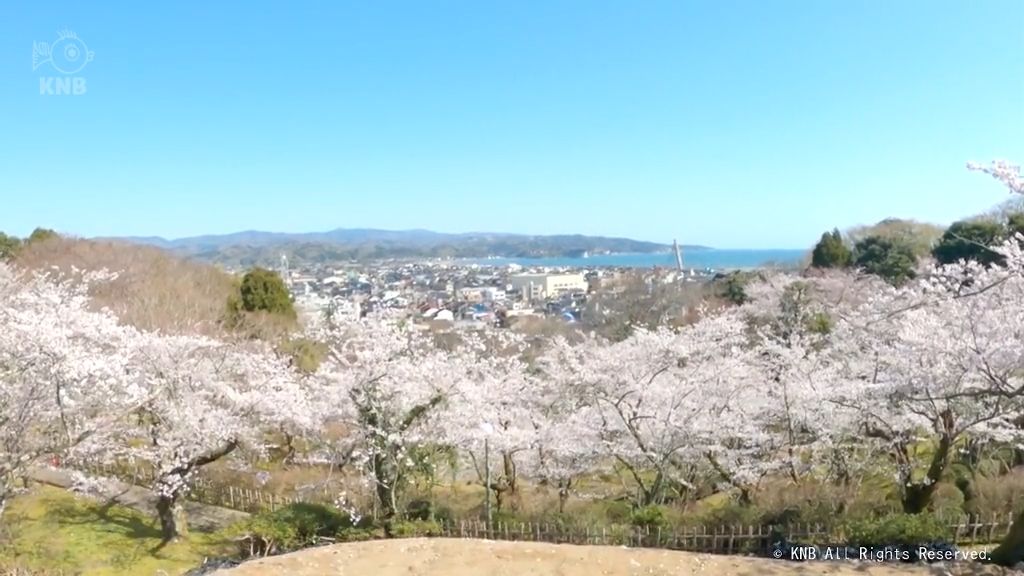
970, 240
8, 245
264, 290
893, 261
831, 252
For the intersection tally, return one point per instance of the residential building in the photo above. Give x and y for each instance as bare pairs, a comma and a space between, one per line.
539, 286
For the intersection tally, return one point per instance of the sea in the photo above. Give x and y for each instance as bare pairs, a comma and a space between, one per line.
713, 259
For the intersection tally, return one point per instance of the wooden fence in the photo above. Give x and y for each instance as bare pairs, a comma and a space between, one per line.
733, 539
737, 539
205, 491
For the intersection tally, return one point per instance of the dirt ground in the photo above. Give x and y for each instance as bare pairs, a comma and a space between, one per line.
452, 557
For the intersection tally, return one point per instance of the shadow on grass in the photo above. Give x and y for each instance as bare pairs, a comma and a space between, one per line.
109, 514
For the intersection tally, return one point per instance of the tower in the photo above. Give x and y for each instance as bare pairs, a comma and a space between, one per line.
679, 255
283, 271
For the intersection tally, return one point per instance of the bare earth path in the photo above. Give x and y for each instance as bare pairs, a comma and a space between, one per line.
452, 557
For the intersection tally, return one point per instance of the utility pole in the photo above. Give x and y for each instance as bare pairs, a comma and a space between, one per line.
487, 482
487, 429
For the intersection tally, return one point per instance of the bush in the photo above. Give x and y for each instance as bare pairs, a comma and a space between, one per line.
648, 516
947, 501
305, 354
728, 514
356, 534
616, 511
896, 530
416, 529
423, 509
1003, 494
290, 528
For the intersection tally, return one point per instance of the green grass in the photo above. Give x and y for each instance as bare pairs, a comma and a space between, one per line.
51, 530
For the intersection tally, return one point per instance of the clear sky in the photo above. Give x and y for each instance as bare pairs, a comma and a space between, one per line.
728, 123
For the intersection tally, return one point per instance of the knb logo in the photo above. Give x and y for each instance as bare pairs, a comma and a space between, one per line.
67, 55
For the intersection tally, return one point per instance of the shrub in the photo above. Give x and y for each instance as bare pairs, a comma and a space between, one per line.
290, 528
305, 354
424, 509
947, 501
728, 514
896, 530
1003, 494
616, 511
416, 529
648, 516
355, 534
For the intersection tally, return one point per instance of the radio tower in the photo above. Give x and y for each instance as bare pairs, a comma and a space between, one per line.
679, 255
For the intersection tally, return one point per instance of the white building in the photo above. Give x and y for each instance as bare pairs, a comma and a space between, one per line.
539, 286
493, 294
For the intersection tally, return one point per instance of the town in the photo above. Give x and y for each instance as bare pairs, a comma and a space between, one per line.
467, 294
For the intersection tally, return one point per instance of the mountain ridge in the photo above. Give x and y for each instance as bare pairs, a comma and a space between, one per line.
256, 246
346, 235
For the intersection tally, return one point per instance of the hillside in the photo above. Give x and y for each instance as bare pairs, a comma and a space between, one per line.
255, 247
154, 290
441, 557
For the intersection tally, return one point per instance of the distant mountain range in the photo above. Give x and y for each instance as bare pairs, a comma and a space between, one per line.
254, 247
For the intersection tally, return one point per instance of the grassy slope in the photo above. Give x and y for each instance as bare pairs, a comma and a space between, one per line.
53, 530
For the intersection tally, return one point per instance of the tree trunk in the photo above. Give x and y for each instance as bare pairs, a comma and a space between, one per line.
499, 495
1011, 551
918, 496
172, 518
387, 478
173, 483
563, 494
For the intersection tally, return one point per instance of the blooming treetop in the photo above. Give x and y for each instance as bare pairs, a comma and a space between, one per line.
202, 399
386, 380
660, 398
60, 363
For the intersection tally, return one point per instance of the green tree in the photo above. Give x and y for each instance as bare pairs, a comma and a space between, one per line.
969, 240
1015, 223
263, 290
831, 251
889, 259
8, 246
40, 235
734, 288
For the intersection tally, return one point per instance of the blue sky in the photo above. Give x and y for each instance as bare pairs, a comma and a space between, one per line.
728, 123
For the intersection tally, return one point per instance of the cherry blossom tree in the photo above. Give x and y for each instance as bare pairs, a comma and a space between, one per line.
926, 374
386, 380
60, 363
661, 398
568, 442
197, 401
1003, 286
801, 425
494, 401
